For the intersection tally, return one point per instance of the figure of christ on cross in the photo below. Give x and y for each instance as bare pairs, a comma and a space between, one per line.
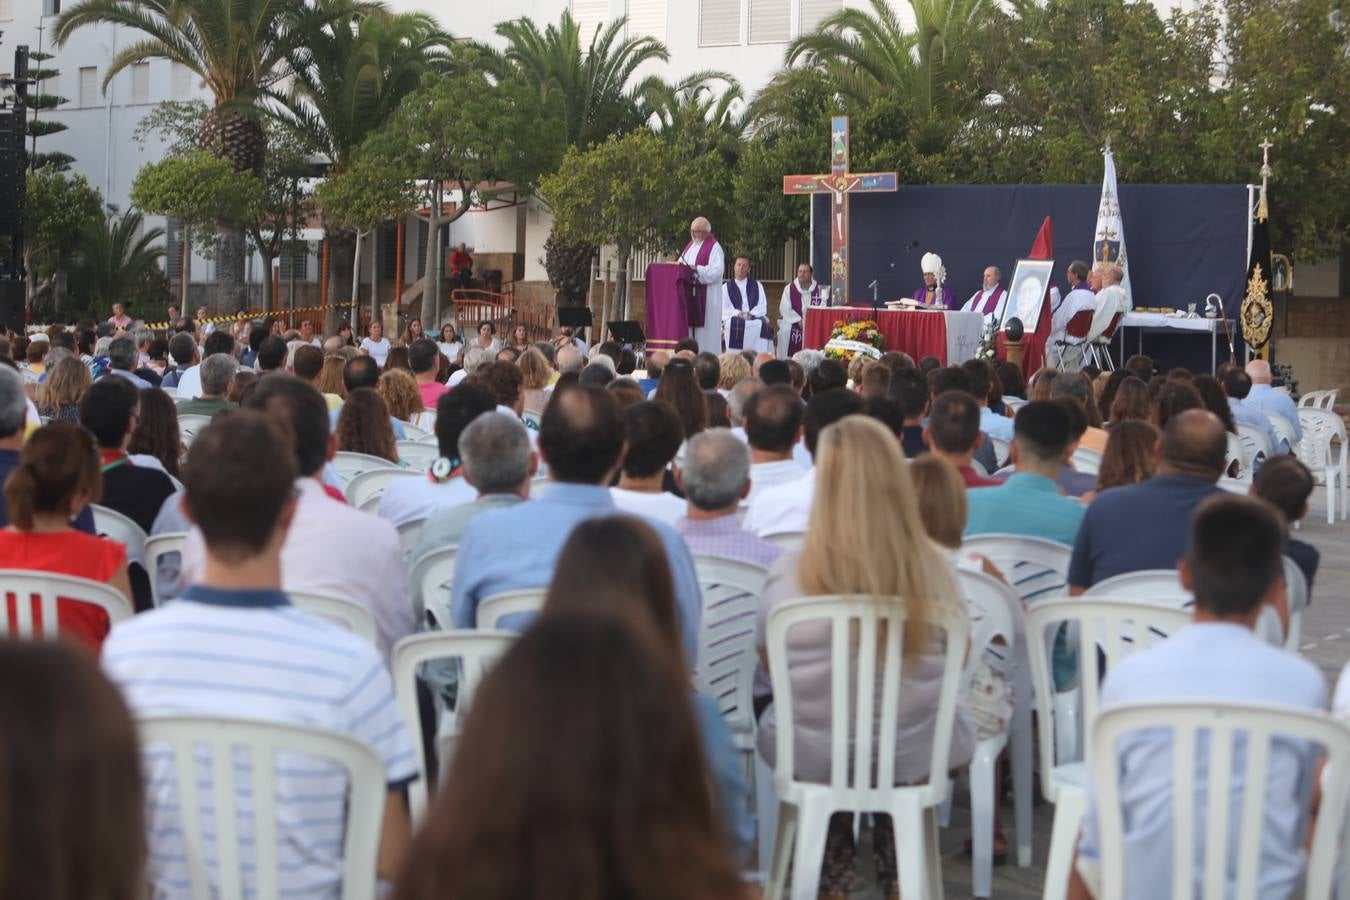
840, 184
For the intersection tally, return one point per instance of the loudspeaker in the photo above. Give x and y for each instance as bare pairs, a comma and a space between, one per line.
12, 304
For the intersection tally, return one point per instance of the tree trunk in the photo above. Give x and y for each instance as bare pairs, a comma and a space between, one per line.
375, 274
269, 298
429, 288
230, 260
620, 288
356, 279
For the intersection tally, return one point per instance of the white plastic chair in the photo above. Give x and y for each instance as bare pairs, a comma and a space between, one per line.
492, 610
189, 424
1002, 450
1036, 569
1227, 869
1284, 430
1296, 591
1255, 442
409, 533
1014, 403
363, 491
1117, 629
349, 465
1320, 428
1086, 461
172, 392
415, 432
339, 610
995, 612
418, 455
476, 651
1310, 400
114, 525
430, 578
41, 590
157, 547
217, 739
1237, 452
1327, 399
862, 777
789, 541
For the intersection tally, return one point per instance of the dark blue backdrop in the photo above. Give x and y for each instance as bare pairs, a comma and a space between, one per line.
1183, 241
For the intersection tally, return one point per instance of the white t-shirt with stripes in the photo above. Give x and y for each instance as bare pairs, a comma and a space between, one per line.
251, 654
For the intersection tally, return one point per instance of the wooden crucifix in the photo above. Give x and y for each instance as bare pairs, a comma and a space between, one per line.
840, 184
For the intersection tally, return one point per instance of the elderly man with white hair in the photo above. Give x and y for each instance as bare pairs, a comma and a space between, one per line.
715, 479
704, 257
1270, 401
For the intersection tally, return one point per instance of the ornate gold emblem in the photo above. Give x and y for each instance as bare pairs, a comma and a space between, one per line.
1257, 314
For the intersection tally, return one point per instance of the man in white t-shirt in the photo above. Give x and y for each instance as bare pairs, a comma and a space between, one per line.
773, 426
653, 434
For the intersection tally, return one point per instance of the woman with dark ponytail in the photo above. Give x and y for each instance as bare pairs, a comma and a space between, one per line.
58, 475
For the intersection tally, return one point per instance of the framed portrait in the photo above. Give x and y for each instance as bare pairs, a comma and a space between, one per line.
1026, 292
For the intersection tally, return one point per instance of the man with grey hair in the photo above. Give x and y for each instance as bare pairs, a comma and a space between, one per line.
570, 359
704, 258
217, 373
736, 400
143, 338
991, 298
809, 360
474, 359
715, 479
122, 358
498, 462
13, 431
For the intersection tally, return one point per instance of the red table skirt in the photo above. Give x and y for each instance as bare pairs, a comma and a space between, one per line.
919, 335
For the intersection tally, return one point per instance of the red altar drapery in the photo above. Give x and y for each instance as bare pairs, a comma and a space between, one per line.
918, 334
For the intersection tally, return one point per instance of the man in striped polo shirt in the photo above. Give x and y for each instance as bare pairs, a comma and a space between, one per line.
233, 645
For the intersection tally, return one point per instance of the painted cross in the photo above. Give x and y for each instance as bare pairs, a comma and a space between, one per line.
839, 184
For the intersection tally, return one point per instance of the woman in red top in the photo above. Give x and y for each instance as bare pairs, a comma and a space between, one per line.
58, 475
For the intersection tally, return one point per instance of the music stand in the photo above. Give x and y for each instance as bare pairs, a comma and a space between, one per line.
628, 332
575, 316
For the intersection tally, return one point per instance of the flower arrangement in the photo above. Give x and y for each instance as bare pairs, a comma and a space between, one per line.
848, 339
988, 349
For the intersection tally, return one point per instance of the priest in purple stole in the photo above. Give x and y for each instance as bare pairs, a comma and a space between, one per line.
797, 296
934, 292
990, 299
705, 262
745, 312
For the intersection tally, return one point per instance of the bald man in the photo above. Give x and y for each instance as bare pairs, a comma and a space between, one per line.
1270, 401
1147, 525
704, 257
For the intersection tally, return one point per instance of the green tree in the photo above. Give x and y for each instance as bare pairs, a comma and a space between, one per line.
239, 49
58, 208
636, 192
118, 259
38, 102
699, 113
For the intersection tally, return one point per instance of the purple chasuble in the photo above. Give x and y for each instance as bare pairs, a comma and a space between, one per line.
992, 303
795, 333
943, 299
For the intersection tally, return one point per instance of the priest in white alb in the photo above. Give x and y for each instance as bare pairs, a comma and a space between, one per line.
745, 311
800, 293
990, 299
704, 259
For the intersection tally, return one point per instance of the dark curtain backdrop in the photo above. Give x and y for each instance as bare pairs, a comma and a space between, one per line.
1183, 241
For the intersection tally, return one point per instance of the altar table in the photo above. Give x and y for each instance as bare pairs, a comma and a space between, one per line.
952, 337
1141, 322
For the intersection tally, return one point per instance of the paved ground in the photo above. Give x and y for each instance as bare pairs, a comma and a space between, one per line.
1325, 641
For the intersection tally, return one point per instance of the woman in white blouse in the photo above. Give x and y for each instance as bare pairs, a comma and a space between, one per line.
487, 337
865, 536
376, 345
450, 343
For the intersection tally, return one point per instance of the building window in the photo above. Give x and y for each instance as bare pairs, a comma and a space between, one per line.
816, 11
182, 82
770, 21
647, 18
89, 85
51, 7
591, 16
296, 259
719, 23
140, 83
6, 9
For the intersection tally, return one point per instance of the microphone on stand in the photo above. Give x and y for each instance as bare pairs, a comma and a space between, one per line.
876, 305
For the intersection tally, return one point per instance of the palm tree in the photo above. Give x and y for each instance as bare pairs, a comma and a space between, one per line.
117, 257
592, 86
694, 112
238, 48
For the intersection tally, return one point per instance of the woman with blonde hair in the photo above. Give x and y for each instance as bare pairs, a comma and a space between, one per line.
734, 370
330, 377
536, 376
400, 393
60, 393
865, 536
1039, 386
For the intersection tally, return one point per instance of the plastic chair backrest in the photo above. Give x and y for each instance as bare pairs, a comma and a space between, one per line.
170, 391
476, 652
1081, 322
157, 548
492, 610
32, 589
418, 455
363, 491
430, 579
221, 738
1310, 399
1086, 461
995, 612
1160, 586
1002, 449
191, 423
410, 532
1035, 567
1296, 591
339, 610
1116, 628
1254, 441
1014, 403
1235, 741
862, 775
115, 526
726, 643
1284, 429
790, 541
1320, 427
1237, 451
1327, 400
349, 465
415, 432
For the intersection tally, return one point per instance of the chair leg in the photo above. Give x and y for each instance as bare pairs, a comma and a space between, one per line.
784, 835
766, 813
1332, 490
933, 846
1069, 809
808, 855
1023, 782
911, 851
982, 805
1067, 739
945, 809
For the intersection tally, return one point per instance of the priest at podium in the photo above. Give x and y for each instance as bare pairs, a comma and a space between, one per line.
705, 263
745, 312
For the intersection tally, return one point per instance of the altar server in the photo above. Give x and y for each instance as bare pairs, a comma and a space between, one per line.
745, 311
934, 292
704, 257
800, 293
990, 299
